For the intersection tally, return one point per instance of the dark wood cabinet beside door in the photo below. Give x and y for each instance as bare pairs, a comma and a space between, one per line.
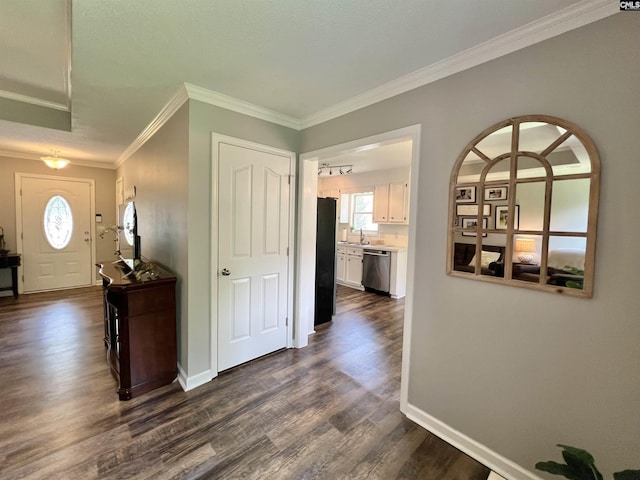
140, 329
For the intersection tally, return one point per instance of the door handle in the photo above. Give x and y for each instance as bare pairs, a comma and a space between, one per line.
225, 272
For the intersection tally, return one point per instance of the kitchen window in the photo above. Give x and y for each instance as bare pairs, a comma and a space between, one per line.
362, 212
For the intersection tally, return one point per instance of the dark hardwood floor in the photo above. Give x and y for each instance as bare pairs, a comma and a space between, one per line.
327, 411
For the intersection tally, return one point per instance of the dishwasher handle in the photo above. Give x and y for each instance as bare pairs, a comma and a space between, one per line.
376, 254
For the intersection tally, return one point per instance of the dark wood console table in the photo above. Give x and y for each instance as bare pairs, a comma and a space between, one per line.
139, 329
12, 261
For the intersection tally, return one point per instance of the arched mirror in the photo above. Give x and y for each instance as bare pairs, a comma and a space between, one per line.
524, 194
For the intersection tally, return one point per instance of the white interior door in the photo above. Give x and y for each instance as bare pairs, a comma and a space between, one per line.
56, 233
253, 263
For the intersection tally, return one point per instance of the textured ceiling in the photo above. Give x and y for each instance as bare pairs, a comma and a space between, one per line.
294, 57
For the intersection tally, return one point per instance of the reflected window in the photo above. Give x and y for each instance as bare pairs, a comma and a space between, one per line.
531, 189
58, 222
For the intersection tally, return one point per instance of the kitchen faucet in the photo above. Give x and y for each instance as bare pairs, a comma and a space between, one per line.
361, 236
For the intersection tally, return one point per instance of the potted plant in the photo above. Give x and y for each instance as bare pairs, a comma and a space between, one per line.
580, 465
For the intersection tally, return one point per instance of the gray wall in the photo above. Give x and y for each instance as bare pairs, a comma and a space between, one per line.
105, 201
159, 170
517, 370
203, 120
172, 175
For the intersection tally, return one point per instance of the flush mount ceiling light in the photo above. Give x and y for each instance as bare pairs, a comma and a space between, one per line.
325, 168
54, 161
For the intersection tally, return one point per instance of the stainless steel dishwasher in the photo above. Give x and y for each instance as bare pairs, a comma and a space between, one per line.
376, 268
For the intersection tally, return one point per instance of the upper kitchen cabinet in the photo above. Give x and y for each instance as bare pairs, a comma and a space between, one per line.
391, 203
381, 203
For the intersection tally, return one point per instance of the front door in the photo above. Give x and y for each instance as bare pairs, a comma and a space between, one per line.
253, 262
56, 233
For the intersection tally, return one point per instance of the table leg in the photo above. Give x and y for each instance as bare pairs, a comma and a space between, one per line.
14, 281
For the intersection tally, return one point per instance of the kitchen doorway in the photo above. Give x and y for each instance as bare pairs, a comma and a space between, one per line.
311, 162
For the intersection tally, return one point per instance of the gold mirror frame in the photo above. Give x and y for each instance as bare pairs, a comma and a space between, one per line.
501, 196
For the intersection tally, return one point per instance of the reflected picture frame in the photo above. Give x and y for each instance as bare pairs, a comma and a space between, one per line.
472, 210
501, 217
496, 193
472, 222
466, 194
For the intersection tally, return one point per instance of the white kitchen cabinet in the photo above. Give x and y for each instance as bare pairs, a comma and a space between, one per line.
390, 203
341, 259
329, 193
381, 203
398, 203
350, 273
354, 270
398, 274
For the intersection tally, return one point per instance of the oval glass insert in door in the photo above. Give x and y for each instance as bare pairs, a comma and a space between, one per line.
58, 222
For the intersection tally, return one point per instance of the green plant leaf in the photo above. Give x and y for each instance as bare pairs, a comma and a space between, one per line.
556, 468
579, 466
584, 456
627, 475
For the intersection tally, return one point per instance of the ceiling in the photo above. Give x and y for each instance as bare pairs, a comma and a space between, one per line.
87, 77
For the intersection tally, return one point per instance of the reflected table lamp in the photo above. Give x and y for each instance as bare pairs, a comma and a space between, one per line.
525, 248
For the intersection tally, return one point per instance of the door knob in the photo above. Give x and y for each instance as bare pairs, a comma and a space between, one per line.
225, 272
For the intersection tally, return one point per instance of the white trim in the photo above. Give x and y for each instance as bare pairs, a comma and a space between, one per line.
18, 176
69, 59
495, 476
569, 18
240, 106
305, 260
293, 324
483, 454
171, 107
34, 101
189, 383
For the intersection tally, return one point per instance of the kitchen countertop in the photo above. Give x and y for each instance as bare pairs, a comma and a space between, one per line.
387, 248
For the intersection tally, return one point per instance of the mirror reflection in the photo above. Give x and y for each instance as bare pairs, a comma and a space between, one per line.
535, 228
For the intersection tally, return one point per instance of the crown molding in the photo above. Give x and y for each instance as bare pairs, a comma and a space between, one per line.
193, 92
240, 106
567, 19
170, 108
34, 101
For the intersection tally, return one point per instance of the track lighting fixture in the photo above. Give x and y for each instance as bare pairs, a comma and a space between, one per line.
342, 169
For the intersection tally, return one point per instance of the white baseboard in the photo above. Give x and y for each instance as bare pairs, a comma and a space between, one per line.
189, 383
495, 476
496, 462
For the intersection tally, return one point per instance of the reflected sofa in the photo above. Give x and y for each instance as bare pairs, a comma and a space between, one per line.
493, 258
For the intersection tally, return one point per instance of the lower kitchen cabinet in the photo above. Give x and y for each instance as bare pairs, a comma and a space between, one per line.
340, 261
398, 274
349, 266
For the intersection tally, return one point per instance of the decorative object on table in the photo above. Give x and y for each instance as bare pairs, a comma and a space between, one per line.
472, 224
502, 217
111, 228
580, 465
525, 248
496, 193
465, 194
145, 271
3, 251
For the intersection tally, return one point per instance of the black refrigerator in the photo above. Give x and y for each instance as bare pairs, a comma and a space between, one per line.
325, 305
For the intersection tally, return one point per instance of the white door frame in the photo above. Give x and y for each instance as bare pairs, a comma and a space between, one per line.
92, 212
292, 326
306, 237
